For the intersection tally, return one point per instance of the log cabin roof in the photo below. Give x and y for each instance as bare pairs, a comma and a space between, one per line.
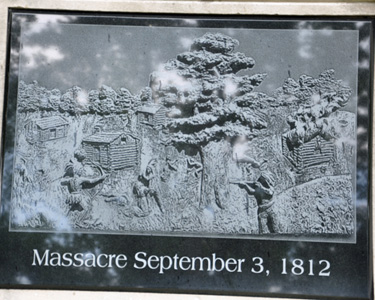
151, 109
51, 122
102, 137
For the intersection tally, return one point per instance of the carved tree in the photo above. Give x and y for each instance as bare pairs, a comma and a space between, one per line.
207, 101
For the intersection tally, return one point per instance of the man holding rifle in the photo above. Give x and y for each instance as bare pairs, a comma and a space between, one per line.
262, 190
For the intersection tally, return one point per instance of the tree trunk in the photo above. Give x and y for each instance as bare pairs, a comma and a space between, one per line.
213, 180
201, 195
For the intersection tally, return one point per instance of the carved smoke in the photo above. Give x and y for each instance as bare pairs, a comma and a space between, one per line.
318, 99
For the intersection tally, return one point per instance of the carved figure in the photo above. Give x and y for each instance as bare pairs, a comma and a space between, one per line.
141, 193
262, 190
170, 165
76, 184
145, 188
196, 165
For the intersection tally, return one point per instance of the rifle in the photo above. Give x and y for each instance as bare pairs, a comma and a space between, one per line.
243, 184
237, 181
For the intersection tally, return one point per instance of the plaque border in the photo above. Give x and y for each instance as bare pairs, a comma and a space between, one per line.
294, 8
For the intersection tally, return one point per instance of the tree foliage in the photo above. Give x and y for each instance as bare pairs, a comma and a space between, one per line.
206, 98
35, 98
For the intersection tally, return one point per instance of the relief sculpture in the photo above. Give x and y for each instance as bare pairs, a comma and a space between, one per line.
199, 151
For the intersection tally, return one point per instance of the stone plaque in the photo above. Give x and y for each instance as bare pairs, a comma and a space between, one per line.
187, 154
